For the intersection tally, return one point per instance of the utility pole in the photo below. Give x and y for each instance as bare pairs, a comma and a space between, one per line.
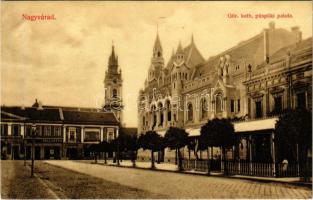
33, 149
118, 147
24, 151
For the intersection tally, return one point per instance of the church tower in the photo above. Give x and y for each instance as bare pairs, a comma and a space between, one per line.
157, 60
113, 87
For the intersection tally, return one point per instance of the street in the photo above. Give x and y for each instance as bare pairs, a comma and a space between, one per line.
174, 185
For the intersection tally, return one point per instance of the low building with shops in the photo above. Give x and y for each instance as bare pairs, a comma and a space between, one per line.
61, 132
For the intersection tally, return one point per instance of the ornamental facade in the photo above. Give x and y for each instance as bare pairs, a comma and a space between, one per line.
251, 81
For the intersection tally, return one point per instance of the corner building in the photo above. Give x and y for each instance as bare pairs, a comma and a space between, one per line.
241, 83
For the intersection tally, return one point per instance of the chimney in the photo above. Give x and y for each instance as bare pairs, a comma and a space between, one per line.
297, 33
266, 44
271, 25
39, 107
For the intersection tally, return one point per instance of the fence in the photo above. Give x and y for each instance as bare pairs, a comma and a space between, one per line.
196, 165
250, 168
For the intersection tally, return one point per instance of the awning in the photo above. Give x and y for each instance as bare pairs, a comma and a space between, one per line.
193, 131
257, 125
162, 133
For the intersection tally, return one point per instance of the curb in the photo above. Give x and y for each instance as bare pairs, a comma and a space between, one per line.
301, 184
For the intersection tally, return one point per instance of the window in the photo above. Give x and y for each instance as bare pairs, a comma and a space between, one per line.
238, 105
28, 130
169, 116
15, 130
110, 133
4, 129
161, 119
301, 101
57, 131
39, 130
143, 121
232, 105
218, 103
278, 104
190, 112
114, 93
92, 135
47, 131
204, 109
258, 109
72, 136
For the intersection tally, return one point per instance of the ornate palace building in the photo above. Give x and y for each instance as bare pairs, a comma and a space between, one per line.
248, 83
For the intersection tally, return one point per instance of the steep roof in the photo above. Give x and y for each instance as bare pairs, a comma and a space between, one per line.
157, 43
34, 114
58, 115
304, 44
192, 57
84, 117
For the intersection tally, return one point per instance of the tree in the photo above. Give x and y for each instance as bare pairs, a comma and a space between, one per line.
293, 135
128, 145
192, 146
133, 146
94, 148
114, 147
152, 141
176, 138
220, 133
104, 147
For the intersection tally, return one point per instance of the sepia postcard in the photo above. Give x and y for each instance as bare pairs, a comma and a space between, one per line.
156, 100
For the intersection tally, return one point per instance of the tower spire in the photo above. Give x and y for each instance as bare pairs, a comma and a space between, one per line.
157, 49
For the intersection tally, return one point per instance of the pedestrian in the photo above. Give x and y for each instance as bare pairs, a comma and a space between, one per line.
284, 165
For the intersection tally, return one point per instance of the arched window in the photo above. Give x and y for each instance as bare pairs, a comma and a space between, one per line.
204, 109
190, 112
169, 113
219, 103
143, 121
114, 93
159, 54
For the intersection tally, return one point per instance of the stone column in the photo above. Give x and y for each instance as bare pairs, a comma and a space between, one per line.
250, 152
82, 134
22, 130
165, 118
101, 134
64, 134
9, 129
273, 153
117, 132
158, 118
152, 119
252, 108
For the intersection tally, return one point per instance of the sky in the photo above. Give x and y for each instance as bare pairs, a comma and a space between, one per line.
63, 61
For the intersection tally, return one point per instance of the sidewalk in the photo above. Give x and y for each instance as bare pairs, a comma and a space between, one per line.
170, 167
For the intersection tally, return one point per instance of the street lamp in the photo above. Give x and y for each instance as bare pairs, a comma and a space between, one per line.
24, 145
33, 134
